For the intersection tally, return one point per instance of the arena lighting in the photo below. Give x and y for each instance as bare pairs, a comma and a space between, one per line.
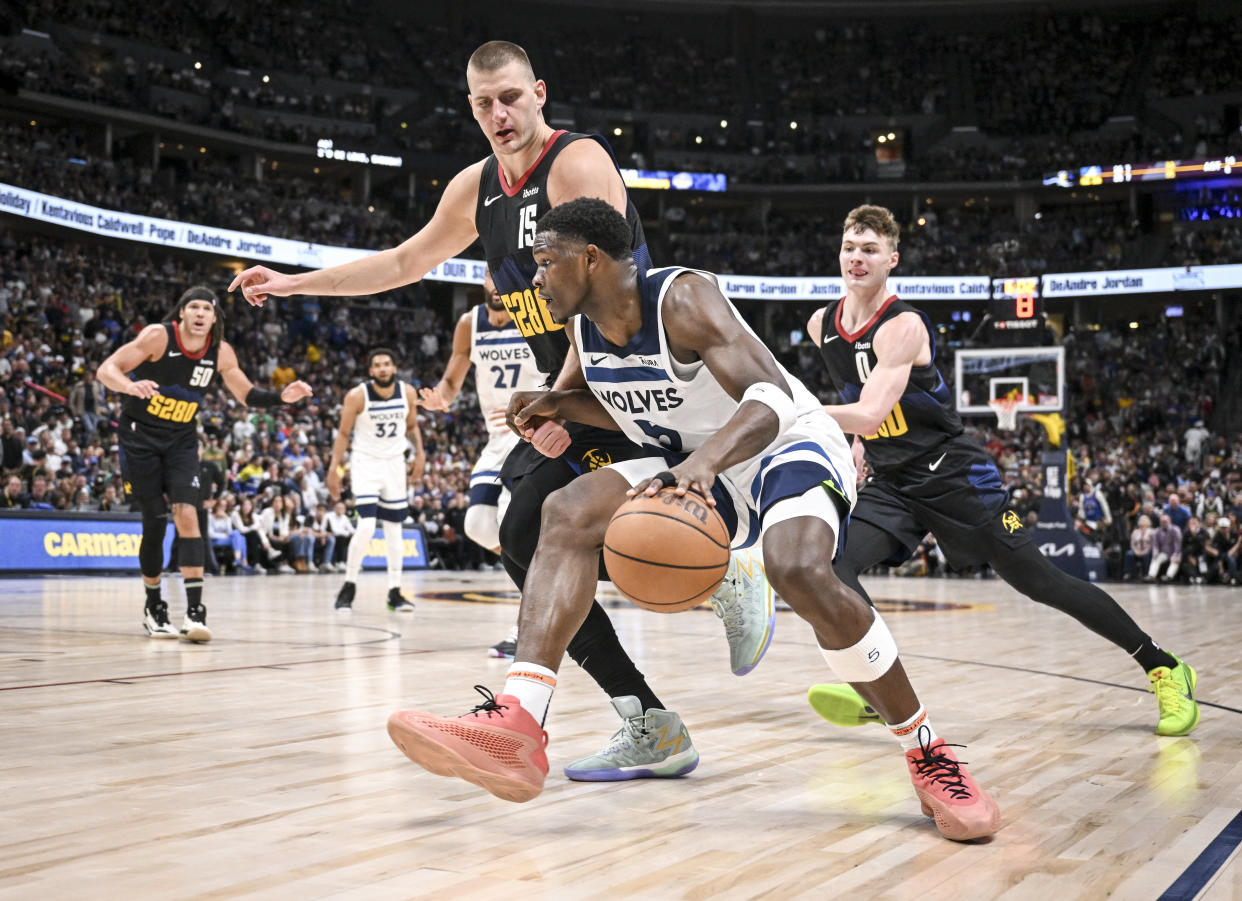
324, 148
1124, 173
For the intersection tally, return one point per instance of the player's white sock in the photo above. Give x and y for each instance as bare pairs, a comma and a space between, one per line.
908, 732
533, 685
358, 546
394, 547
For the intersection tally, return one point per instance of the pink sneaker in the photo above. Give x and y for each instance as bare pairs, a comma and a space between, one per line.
949, 794
497, 746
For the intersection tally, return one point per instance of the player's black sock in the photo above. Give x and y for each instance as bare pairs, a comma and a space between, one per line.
153, 595
597, 650
193, 594
1150, 655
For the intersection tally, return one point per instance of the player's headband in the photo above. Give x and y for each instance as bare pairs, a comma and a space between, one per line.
198, 292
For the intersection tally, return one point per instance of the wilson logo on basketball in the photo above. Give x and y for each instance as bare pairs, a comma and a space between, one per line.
691, 506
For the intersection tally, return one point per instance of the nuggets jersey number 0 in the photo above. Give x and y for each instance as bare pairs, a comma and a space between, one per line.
923, 416
660, 403
379, 430
503, 363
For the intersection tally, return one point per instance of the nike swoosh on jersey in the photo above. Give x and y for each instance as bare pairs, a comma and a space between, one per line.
490, 200
934, 466
595, 361
174, 353
831, 338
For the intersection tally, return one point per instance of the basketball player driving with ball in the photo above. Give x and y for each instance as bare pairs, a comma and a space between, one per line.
666, 358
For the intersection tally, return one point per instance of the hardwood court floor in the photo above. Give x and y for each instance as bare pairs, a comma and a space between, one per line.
257, 766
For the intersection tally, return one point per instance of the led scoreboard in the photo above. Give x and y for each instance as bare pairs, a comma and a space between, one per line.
1016, 312
1123, 173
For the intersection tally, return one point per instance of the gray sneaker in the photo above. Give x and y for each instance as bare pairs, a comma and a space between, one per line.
744, 601
651, 745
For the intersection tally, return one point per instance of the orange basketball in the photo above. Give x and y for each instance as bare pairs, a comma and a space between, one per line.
666, 553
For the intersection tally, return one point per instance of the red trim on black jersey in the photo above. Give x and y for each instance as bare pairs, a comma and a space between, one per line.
500, 170
189, 356
866, 327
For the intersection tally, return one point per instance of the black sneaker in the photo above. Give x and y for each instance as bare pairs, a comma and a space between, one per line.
345, 597
194, 626
397, 602
505, 649
155, 621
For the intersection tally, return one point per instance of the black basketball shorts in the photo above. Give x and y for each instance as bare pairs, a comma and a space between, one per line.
956, 493
159, 466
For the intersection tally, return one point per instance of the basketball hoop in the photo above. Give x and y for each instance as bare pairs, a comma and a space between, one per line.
1006, 410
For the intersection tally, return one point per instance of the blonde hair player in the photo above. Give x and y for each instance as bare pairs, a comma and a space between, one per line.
929, 477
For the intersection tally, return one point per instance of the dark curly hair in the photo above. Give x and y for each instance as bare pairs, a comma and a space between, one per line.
591, 221
380, 352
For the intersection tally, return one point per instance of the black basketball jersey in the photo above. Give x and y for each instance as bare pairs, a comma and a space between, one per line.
505, 218
921, 419
183, 378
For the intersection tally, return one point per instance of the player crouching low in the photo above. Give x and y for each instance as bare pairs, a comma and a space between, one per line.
744, 433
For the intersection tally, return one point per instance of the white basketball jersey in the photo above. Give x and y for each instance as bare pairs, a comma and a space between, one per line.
503, 363
658, 402
379, 430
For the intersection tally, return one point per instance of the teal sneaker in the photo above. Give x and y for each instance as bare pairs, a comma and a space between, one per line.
745, 602
1175, 696
651, 745
840, 705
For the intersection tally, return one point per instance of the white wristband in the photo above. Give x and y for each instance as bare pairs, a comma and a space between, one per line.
775, 399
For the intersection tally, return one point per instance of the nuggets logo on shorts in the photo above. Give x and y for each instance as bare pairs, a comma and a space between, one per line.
129, 489
1010, 521
596, 458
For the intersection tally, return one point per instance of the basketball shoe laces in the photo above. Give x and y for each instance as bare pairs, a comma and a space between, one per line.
937, 767
489, 705
732, 614
633, 730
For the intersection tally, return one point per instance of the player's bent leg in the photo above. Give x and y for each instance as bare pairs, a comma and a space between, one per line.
865, 546
859, 649
560, 585
1172, 680
500, 744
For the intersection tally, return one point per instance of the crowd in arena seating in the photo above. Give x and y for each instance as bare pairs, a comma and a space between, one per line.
404, 86
65, 307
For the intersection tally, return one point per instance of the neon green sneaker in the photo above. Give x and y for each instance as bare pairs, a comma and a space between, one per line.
1175, 695
841, 705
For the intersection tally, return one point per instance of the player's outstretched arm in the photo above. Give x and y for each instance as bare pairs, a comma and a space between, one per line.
441, 395
243, 389
450, 231
113, 372
899, 344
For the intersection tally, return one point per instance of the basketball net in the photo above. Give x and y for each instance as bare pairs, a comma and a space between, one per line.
1006, 410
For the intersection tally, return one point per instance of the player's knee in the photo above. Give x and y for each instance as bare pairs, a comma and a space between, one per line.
801, 577
185, 518
483, 526
573, 516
